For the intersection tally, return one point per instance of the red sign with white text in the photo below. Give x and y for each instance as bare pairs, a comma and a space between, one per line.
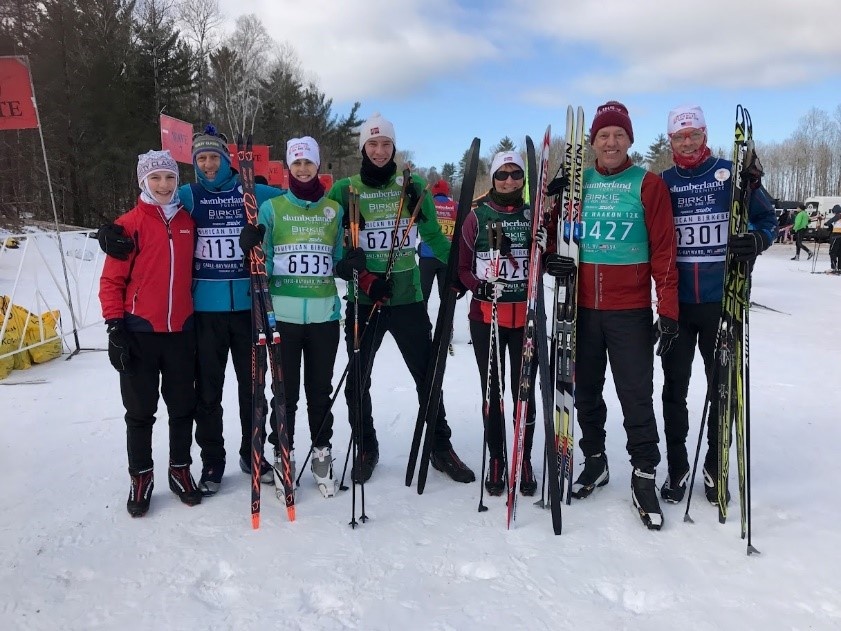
261, 159
177, 136
277, 174
17, 107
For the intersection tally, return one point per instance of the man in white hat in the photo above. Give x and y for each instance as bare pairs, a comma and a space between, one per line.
402, 311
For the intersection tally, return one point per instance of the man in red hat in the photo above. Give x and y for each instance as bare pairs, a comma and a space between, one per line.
627, 240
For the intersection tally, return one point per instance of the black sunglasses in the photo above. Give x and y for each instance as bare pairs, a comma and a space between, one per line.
501, 176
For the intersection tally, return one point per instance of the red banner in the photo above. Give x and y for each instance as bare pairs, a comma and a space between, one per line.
277, 174
261, 159
177, 136
17, 107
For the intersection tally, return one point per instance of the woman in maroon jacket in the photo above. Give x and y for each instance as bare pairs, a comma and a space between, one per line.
148, 308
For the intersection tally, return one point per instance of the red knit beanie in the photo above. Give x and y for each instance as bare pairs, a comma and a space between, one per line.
441, 188
612, 113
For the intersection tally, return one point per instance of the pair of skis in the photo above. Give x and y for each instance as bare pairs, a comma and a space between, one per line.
565, 298
266, 345
732, 349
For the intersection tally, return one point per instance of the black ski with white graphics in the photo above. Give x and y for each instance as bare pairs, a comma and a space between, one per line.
431, 393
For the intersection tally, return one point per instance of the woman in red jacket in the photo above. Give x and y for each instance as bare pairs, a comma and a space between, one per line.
148, 308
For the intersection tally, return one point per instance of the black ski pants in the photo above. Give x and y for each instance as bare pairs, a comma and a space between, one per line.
798, 242
835, 251
512, 341
697, 324
164, 361
430, 270
217, 335
410, 327
626, 337
316, 345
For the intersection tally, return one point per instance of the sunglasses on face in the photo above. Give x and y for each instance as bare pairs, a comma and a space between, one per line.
501, 176
694, 136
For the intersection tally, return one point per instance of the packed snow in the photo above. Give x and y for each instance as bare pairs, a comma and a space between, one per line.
74, 559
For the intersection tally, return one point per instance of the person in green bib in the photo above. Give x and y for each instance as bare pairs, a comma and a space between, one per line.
397, 301
627, 239
301, 232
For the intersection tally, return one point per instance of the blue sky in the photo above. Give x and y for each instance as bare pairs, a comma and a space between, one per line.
444, 71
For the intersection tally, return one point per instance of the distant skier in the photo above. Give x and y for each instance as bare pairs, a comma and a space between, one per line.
835, 240
700, 187
801, 223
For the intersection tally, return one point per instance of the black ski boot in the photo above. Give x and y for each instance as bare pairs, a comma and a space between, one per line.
711, 487
528, 483
266, 470
595, 474
368, 460
211, 478
495, 482
447, 461
674, 488
140, 493
181, 483
644, 497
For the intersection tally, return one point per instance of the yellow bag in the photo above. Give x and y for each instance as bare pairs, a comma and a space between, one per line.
51, 349
11, 337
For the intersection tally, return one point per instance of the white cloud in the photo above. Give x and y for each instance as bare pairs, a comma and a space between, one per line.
650, 45
360, 49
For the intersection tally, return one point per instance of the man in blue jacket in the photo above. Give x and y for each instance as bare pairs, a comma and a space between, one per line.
700, 187
221, 299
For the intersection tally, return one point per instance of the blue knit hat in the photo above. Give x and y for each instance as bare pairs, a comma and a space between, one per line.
210, 140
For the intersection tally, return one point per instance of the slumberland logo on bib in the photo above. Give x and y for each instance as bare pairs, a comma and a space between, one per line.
329, 213
399, 180
722, 175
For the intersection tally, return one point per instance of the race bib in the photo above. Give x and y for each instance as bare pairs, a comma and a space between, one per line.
379, 235
701, 238
512, 268
218, 244
303, 259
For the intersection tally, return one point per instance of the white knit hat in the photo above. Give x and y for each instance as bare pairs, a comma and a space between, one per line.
685, 117
305, 148
152, 161
506, 157
375, 127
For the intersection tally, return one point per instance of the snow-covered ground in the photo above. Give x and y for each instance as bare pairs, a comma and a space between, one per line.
74, 559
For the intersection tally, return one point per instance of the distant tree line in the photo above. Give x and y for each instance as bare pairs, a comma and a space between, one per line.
104, 70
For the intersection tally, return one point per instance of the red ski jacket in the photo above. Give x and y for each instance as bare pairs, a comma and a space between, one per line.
152, 290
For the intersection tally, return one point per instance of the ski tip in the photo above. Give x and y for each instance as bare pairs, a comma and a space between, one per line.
255, 522
290, 512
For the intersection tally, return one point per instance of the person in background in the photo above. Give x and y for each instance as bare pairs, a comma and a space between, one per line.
835, 240
701, 223
148, 309
801, 223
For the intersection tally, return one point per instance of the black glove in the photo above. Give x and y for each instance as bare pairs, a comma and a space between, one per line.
250, 237
380, 289
114, 241
754, 172
412, 197
505, 245
558, 185
488, 291
559, 266
118, 346
458, 287
747, 246
354, 259
666, 332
